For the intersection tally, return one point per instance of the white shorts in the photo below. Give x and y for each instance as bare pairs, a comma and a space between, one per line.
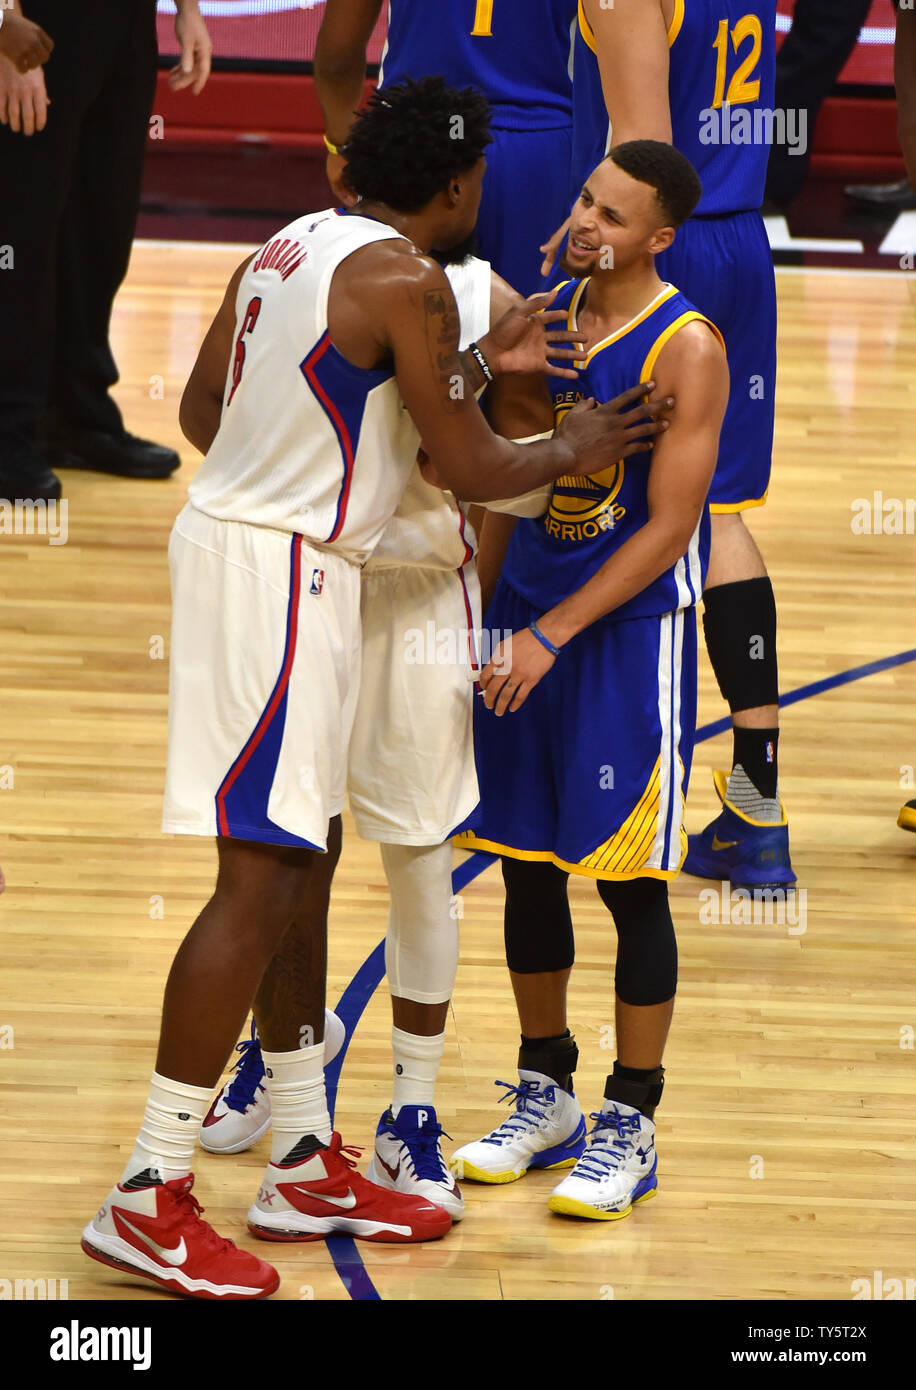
263, 680
412, 778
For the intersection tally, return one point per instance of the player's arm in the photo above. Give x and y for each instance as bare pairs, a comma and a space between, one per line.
416, 319
905, 82
632, 45
517, 406
632, 49
691, 368
202, 401
340, 74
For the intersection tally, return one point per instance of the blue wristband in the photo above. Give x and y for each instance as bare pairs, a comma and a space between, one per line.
544, 641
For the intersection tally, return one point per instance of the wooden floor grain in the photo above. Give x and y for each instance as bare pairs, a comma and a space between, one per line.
786, 1135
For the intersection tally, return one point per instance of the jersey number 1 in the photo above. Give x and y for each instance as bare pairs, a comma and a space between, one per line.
248, 323
483, 20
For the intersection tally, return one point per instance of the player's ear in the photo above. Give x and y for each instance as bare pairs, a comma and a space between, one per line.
661, 240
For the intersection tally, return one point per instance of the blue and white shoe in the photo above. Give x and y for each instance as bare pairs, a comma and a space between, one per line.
617, 1170
240, 1114
741, 851
408, 1158
545, 1131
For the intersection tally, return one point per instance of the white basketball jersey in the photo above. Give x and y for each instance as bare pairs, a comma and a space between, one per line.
307, 442
429, 528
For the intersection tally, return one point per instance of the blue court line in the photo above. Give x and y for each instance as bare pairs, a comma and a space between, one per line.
804, 692
350, 1008
368, 977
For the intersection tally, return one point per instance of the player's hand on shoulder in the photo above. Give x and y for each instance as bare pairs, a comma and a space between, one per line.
23, 99
513, 671
628, 424
23, 42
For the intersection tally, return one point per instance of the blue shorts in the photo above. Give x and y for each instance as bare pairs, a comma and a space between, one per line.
724, 266
525, 200
591, 773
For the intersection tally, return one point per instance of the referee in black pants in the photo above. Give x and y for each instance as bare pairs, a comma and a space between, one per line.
72, 141
822, 37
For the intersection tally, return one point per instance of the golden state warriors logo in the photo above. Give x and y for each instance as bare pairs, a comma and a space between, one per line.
582, 506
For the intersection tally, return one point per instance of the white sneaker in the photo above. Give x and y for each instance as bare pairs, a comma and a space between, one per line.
240, 1114
617, 1170
408, 1158
546, 1131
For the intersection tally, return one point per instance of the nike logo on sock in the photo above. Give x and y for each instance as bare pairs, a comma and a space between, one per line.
346, 1202
176, 1256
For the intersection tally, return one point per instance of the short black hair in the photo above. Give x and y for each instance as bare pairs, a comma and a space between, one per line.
676, 182
412, 138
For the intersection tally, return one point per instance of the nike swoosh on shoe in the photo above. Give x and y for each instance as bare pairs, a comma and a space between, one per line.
346, 1202
176, 1256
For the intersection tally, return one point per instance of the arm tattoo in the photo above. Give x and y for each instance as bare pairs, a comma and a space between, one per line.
442, 342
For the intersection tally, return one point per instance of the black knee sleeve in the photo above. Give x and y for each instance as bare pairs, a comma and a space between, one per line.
646, 945
739, 623
537, 923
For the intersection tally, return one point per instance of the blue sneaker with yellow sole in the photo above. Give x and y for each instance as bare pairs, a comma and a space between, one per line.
907, 818
746, 853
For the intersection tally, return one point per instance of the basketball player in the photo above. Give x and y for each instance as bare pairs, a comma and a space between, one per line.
411, 780
701, 74
296, 397
585, 745
519, 54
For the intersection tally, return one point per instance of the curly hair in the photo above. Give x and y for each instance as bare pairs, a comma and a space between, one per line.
676, 182
412, 138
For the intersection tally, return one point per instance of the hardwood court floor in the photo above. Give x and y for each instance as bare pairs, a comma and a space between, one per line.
786, 1136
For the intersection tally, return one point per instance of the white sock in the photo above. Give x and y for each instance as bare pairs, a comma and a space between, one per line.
298, 1103
168, 1135
416, 1065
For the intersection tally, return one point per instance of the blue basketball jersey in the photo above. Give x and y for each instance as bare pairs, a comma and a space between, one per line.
517, 52
589, 517
722, 56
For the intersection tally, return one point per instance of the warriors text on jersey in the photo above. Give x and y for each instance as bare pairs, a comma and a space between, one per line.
590, 517
722, 56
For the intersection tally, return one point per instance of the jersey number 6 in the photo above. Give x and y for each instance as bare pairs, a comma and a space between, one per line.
248, 323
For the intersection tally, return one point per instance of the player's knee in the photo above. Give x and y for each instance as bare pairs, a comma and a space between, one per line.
537, 925
646, 970
421, 945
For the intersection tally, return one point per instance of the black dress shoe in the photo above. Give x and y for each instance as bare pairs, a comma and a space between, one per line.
28, 479
122, 454
899, 196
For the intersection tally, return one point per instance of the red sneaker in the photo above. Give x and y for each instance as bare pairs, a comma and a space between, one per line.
316, 1192
154, 1230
